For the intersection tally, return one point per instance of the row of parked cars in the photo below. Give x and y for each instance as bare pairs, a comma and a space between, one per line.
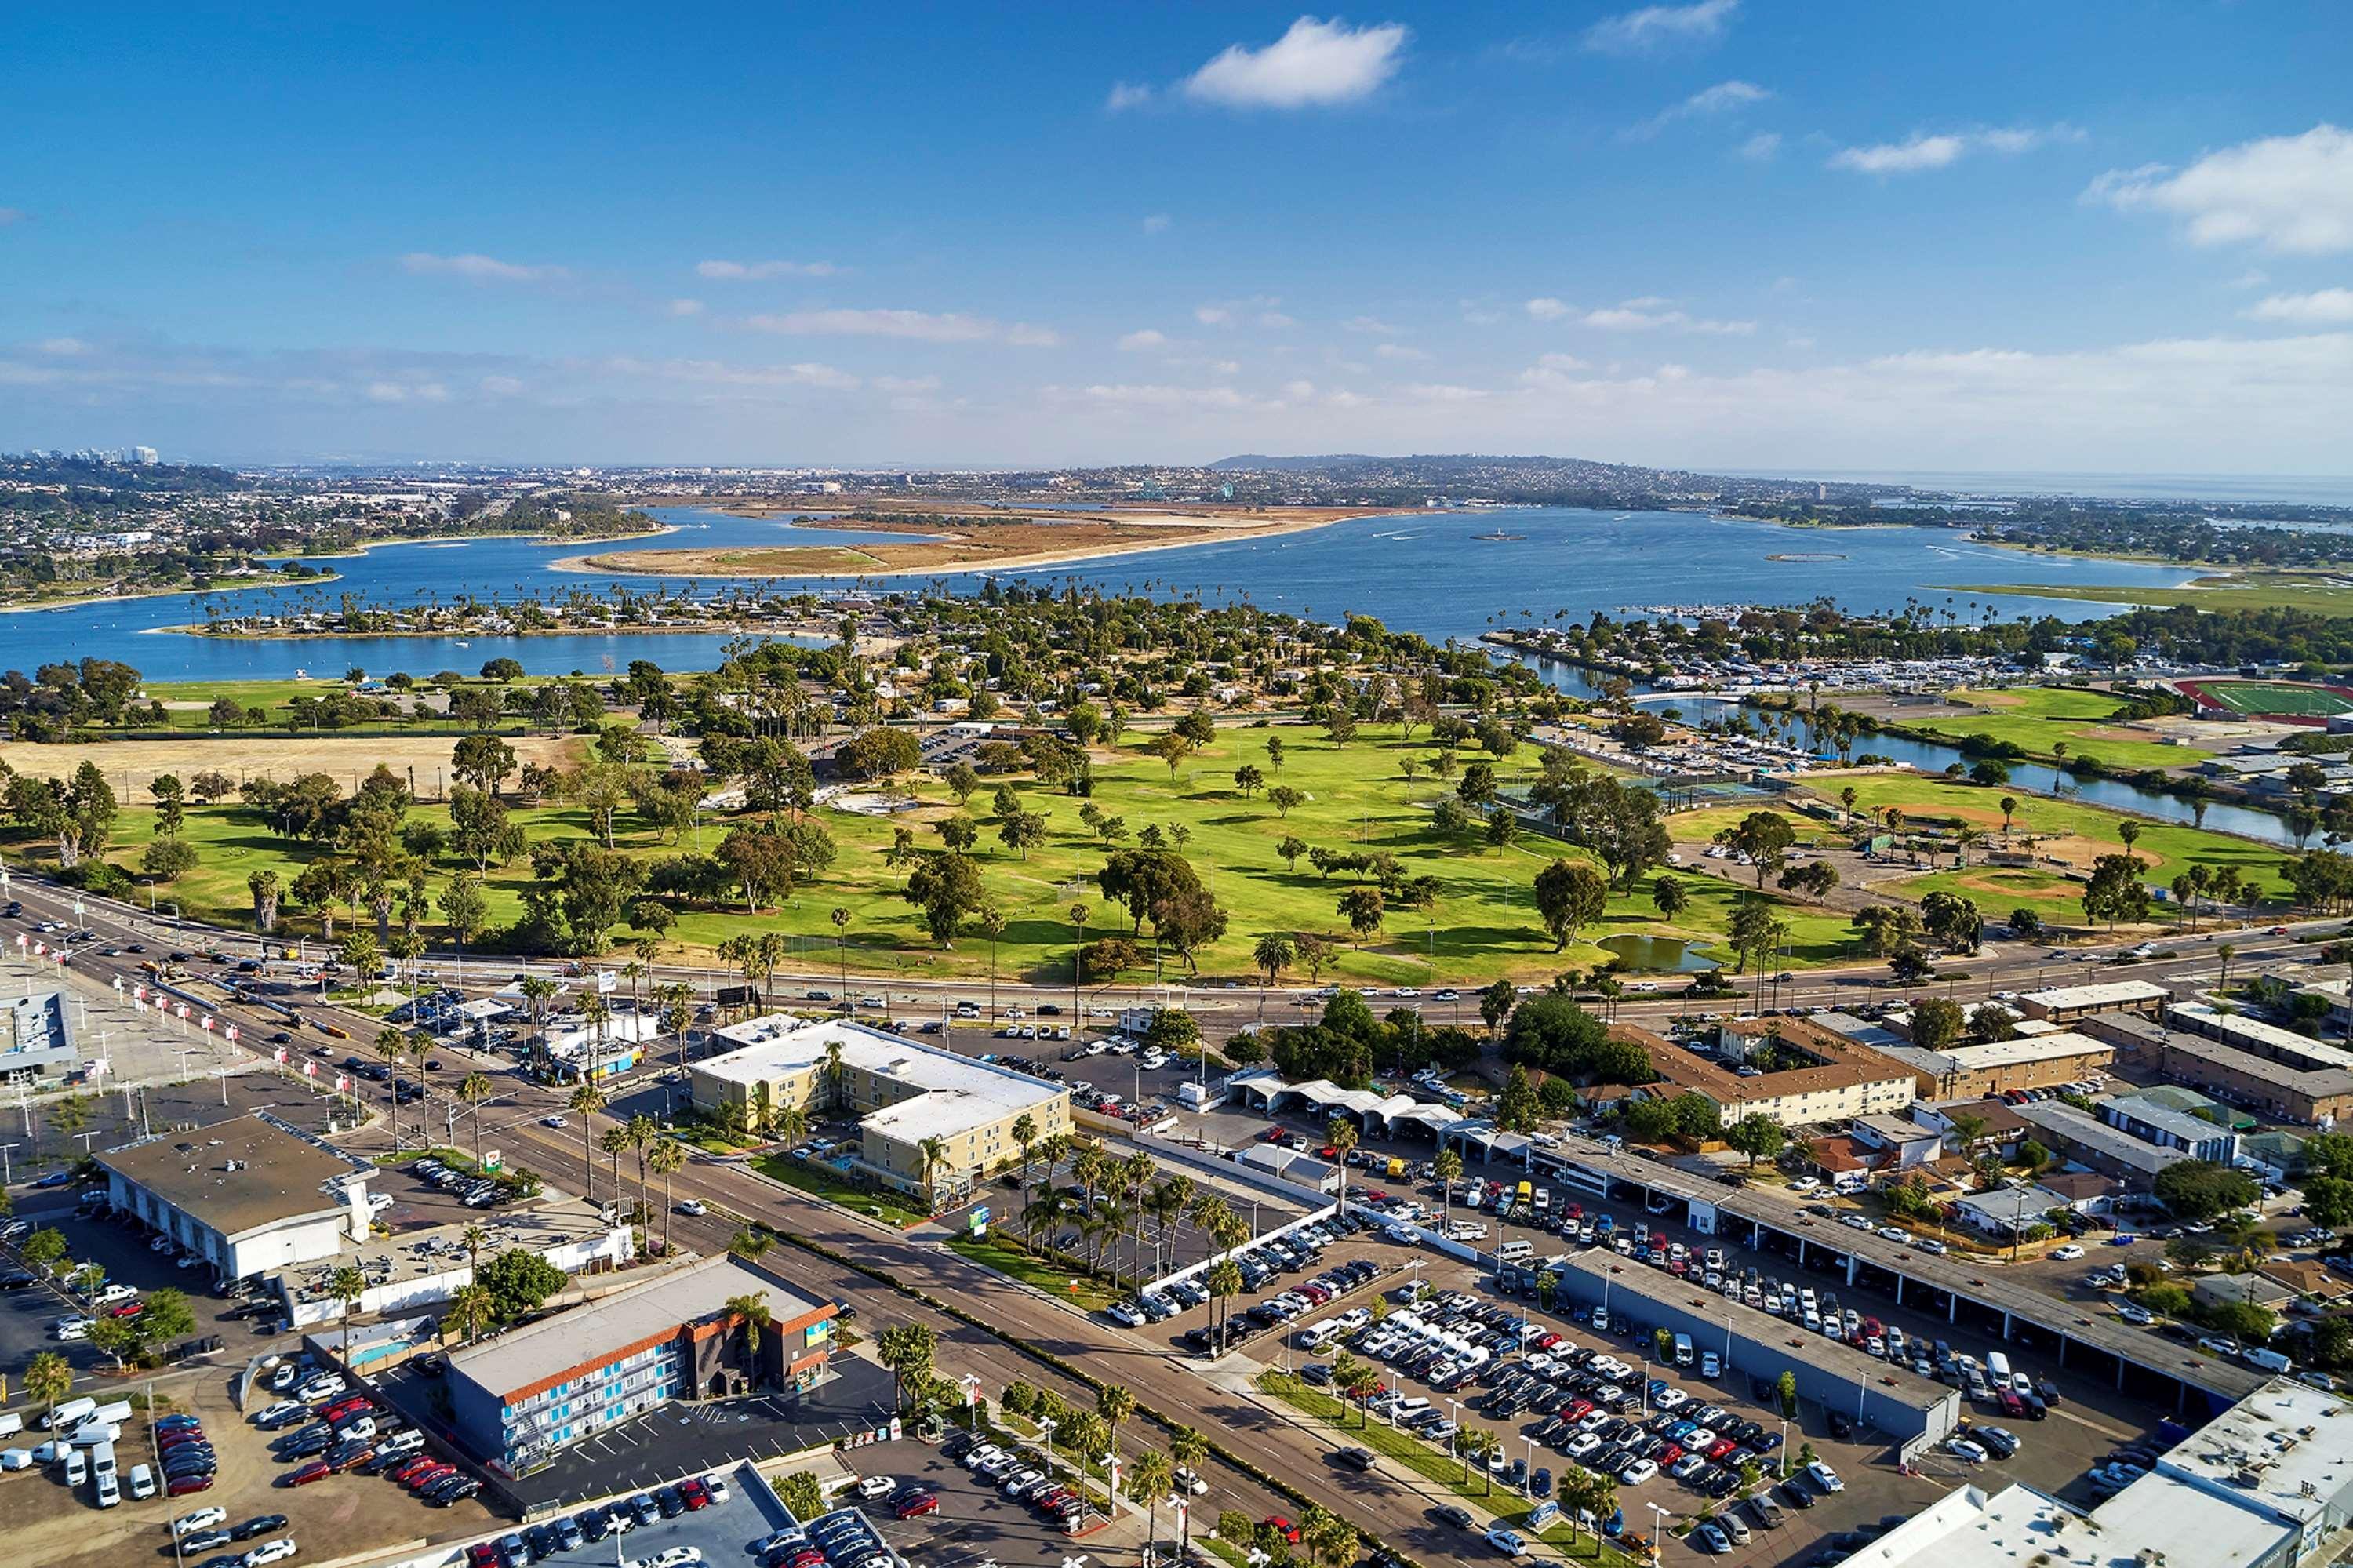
607, 1521
203, 1531
1259, 1265
1021, 1476
475, 1192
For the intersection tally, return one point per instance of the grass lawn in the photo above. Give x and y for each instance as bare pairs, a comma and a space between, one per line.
2082, 831
1038, 1274
1998, 890
836, 1189
2034, 716
1485, 924
2322, 593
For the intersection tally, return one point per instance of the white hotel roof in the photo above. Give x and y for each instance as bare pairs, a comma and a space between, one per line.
2111, 993
2032, 1048
959, 1093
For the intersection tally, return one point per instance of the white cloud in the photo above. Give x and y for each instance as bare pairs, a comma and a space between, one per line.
1373, 325
1138, 341
2321, 307
1230, 313
721, 373
1212, 315
1136, 396
907, 386
1479, 312
478, 268
1546, 309
1315, 63
760, 272
2291, 194
404, 391
1645, 314
1399, 351
1724, 98
1275, 321
502, 386
62, 348
1126, 95
685, 307
1299, 391
1225, 367
1660, 26
921, 325
1429, 392
1761, 147
2253, 278
1925, 152
1157, 223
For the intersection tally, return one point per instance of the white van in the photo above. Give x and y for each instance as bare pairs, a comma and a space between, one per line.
92, 1434
142, 1481
102, 1461
117, 1413
1997, 1366
1512, 1251
2269, 1359
11, 1424
70, 1414
77, 1467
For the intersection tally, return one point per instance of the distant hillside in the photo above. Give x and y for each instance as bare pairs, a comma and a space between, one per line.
1560, 481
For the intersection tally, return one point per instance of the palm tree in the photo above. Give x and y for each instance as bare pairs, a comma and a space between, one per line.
472, 1305
792, 1124
614, 1140
474, 1089
643, 1133
1149, 1482
2226, 952
1342, 1135
840, 919
750, 1242
48, 1378
2009, 811
1449, 1166
992, 926
473, 1236
1114, 1405
1272, 955
585, 1102
392, 1048
668, 1158
1225, 1280
677, 1000
1025, 1133
750, 1312
1963, 838
933, 1153
1187, 1449
347, 1285
835, 1078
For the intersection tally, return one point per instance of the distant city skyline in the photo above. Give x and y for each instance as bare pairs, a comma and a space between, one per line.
1727, 235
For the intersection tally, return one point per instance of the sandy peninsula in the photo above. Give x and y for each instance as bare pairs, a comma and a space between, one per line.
972, 541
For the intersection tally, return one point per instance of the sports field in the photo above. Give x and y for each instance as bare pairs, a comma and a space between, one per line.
2263, 699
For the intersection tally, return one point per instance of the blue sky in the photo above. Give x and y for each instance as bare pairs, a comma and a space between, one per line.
1727, 233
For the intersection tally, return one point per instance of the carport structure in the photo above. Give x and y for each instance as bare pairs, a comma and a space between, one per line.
1269, 1091
1485, 1140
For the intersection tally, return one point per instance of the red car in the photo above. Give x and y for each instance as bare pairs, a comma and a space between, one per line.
1720, 1447
126, 1309
797, 1557
1283, 1527
1274, 1134
343, 1407
316, 1470
916, 1507
186, 1486
402, 1473
354, 1461
2012, 1405
482, 1555
1576, 1409
1048, 1503
692, 1493
1669, 1454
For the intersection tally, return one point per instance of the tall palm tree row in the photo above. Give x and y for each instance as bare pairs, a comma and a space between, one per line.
666, 1159
585, 1102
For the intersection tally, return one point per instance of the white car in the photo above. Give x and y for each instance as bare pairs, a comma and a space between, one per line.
203, 1519
673, 1557
1966, 1449
717, 1488
1824, 1478
1640, 1470
275, 1551
114, 1293
555, 1121
2132, 1314
876, 1486
1188, 1482
692, 1207
1508, 1542
70, 1329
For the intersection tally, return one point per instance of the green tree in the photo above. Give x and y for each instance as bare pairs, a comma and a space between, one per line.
1757, 1135
1569, 894
2201, 1189
518, 1282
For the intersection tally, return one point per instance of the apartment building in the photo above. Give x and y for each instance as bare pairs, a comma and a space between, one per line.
1837, 1080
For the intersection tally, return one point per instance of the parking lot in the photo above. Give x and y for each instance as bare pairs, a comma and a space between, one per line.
974, 1525
722, 1531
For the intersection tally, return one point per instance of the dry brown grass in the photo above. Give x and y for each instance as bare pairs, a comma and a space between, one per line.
265, 755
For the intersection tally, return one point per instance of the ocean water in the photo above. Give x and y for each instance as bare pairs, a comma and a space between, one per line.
2306, 490
1426, 572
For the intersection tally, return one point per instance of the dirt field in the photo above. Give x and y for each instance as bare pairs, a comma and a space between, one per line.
336, 1518
129, 765
1016, 540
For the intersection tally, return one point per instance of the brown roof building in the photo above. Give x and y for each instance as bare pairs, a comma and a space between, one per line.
249, 1196
1842, 1081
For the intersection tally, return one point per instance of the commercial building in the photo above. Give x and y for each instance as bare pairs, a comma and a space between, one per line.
250, 1195
2092, 1143
2265, 1485
2152, 1121
2068, 1003
36, 1044
905, 1095
2276, 1089
2030, 1062
2213, 1291
1839, 1080
420, 1269
2006, 1211
1909, 1143
2257, 1038
517, 1399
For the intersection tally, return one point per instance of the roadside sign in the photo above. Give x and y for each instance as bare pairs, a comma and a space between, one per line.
492, 1160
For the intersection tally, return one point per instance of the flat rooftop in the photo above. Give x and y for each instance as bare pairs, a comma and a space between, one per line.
1844, 1063
2318, 1084
2164, 1117
958, 1092
237, 1175
522, 1360
425, 1253
2108, 994
2254, 1034
2115, 1143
